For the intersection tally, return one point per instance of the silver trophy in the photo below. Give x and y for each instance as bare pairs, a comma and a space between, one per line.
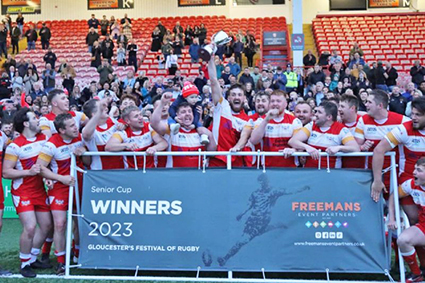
220, 38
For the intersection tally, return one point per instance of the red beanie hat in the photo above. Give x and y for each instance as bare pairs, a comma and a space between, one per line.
189, 89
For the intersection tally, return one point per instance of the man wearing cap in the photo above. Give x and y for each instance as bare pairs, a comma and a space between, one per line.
291, 79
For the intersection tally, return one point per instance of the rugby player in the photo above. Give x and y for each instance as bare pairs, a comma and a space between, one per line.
29, 195
303, 112
326, 134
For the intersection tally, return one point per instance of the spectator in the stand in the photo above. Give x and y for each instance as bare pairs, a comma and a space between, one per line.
104, 71
30, 79
316, 76
17, 81
250, 48
380, 78
319, 95
48, 76
397, 102
324, 58
9, 62
104, 25
96, 53
156, 40
178, 29
291, 79
3, 39
228, 50
20, 22
114, 28
194, 50
132, 54
161, 28
166, 48
421, 87
15, 36
335, 58
417, 72
279, 79
178, 79
122, 38
178, 45
255, 75
107, 52
235, 69
410, 89
200, 81
37, 91
45, 36
188, 35
171, 63
68, 74
93, 22
202, 34
50, 58
357, 60
129, 81
246, 77
309, 59
356, 49
91, 37
121, 55
126, 30
126, 18
391, 76
416, 94
238, 47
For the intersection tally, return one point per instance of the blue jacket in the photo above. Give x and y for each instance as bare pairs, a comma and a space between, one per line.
173, 110
280, 81
193, 51
235, 69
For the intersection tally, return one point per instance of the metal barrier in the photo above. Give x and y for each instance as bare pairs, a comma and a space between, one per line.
201, 166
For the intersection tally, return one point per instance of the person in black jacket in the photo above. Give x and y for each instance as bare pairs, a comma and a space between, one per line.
380, 77
50, 58
398, 103
93, 22
45, 36
417, 72
391, 76
132, 54
309, 59
107, 51
316, 76
91, 37
178, 30
15, 36
32, 37
3, 38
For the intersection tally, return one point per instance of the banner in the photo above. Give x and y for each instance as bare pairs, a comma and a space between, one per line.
110, 4
389, 3
272, 38
21, 6
259, 2
240, 219
9, 208
185, 3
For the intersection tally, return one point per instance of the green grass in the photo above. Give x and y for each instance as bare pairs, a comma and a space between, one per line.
9, 253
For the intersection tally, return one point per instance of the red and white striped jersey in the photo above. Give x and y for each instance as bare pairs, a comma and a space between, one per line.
57, 152
97, 143
276, 137
322, 138
353, 162
143, 139
373, 130
411, 145
184, 140
226, 129
24, 152
418, 195
47, 121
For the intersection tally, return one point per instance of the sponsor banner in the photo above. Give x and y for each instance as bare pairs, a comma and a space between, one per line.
185, 3
240, 219
9, 208
389, 3
297, 41
110, 4
21, 6
259, 2
271, 38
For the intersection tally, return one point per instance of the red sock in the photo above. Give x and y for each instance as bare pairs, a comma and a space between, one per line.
60, 256
421, 255
47, 247
410, 258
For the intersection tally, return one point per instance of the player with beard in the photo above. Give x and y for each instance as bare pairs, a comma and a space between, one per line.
373, 127
161, 161
138, 136
303, 112
187, 139
54, 159
29, 195
326, 134
410, 139
413, 237
60, 105
348, 106
97, 132
229, 118
276, 129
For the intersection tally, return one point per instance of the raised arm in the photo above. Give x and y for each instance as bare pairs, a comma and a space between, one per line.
161, 127
215, 86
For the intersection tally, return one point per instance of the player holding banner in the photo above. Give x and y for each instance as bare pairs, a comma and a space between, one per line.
29, 195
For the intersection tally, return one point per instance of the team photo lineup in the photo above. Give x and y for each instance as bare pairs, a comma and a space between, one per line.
231, 102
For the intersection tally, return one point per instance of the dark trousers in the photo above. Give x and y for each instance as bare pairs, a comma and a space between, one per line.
132, 60
238, 58
45, 44
250, 59
3, 49
15, 46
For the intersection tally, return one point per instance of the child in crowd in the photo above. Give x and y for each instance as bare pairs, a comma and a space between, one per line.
190, 94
